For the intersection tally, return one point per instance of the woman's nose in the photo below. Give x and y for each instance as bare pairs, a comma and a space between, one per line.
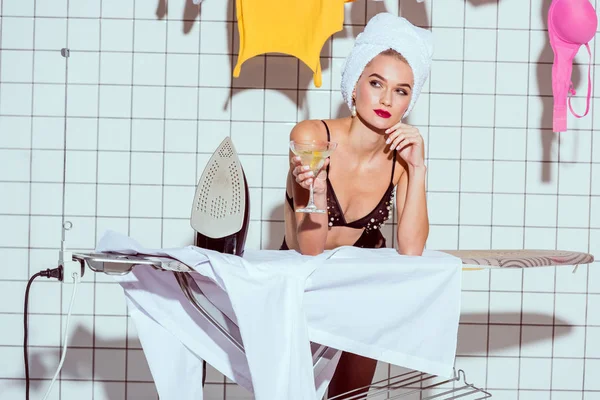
386, 98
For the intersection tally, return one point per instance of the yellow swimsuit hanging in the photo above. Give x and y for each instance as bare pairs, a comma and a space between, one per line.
296, 27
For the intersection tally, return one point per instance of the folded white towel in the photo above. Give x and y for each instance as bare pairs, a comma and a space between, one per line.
398, 309
387, 31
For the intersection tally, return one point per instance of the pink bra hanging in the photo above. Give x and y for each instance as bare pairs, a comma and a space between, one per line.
571, 24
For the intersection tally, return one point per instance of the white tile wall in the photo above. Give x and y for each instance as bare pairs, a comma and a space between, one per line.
150, 96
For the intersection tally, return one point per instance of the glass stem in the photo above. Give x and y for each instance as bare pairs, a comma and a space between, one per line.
311, 201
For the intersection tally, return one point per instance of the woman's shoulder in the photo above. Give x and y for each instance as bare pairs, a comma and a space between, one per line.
310, 129
316, 129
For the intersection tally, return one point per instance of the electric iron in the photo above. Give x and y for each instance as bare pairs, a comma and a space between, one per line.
221, 208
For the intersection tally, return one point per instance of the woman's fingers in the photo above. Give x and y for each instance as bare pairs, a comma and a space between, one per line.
295, 162
304, 176
299, 168
302, 169
407, 141
393, 135
399, 125
400, 140
396, 141
401, 131
305, 183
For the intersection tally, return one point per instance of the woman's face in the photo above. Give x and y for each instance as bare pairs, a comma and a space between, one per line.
383, 91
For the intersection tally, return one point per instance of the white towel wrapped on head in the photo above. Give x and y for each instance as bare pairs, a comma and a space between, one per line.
383, 32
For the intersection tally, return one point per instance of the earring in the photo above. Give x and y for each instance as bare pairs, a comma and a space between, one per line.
353, 110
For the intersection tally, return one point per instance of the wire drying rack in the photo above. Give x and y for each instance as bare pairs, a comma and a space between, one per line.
415, 385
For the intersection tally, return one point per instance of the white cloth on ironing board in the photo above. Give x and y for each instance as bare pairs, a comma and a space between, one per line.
397, 309
267, 294
173, 347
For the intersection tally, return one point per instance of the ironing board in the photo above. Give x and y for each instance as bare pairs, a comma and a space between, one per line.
519, 258
398, 386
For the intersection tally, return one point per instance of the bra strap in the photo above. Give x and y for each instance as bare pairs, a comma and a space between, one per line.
326, 127
589, 91
328, 139
393, 166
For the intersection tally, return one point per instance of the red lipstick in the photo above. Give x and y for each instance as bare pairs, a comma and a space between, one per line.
382, 113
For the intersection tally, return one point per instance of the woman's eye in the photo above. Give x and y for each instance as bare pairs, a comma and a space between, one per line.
402, 92
375, 84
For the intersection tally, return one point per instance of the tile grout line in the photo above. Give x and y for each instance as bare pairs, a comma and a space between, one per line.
554, 269
64, 193
94, 292
131, 119
231, 29
427, 184
527, 130
198, 75
181, 218
462, 103
487, 358
84, 117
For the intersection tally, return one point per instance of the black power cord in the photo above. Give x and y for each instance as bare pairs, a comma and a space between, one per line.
49, 273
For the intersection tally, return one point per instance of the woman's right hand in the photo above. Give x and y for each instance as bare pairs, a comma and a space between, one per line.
304, 176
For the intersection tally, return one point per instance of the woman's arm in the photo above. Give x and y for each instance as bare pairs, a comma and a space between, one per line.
411, 205
311, 228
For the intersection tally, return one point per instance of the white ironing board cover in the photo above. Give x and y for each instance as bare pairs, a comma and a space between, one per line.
398, 309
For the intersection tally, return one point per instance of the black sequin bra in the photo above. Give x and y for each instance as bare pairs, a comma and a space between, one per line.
371, 223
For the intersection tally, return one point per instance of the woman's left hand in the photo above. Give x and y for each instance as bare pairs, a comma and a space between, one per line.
408, 141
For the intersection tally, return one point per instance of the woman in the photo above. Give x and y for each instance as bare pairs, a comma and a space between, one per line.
376, 153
